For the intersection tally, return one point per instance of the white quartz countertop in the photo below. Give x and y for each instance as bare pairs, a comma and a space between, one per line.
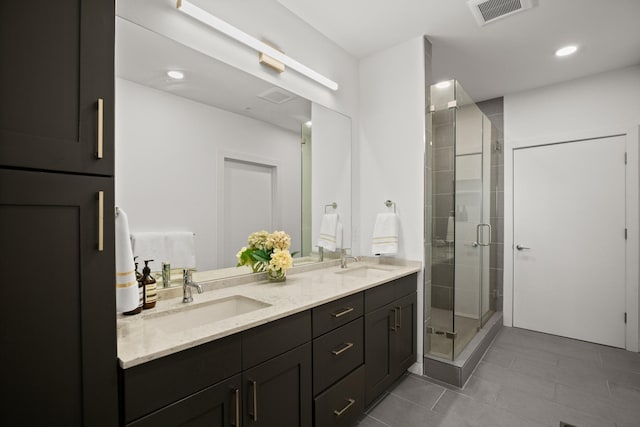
172, 325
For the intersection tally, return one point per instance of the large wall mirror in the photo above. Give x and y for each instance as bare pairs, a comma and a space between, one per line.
221, 153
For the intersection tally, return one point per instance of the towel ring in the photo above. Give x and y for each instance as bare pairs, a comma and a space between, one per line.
389, 203
333, 205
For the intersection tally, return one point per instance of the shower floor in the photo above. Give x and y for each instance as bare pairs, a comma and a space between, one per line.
465, 327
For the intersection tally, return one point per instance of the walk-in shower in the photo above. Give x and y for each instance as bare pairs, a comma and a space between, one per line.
459, 183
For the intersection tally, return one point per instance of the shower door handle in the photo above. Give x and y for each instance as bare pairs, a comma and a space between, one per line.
478, 240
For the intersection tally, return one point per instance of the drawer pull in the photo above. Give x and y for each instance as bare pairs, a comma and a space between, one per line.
236, 392
346, 347
100, 221
345, 409
254, 414
347, 310
100, 126
394, 327
399, 316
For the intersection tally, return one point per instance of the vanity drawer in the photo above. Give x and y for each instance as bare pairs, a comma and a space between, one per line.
337, 313
337, 353
375, 298
160, 382
343, 403
264, 342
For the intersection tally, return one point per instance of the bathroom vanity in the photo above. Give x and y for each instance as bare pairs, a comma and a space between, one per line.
314, 350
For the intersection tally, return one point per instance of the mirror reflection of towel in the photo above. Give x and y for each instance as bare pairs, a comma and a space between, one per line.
328, 238
126, 284
385, 234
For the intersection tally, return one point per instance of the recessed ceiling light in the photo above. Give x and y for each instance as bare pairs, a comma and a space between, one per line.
176, 75
443, 85
567, 50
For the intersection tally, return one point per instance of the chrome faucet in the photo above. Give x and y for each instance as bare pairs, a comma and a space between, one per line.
187, 284
344, 257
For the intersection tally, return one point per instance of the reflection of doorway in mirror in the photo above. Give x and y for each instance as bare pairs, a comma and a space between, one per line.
306, 207
247, 207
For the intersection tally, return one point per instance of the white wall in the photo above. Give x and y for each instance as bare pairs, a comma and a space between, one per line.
392, 145
168, 152
594, 106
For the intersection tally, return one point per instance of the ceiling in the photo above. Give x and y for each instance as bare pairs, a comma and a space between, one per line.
508, 55
144, 57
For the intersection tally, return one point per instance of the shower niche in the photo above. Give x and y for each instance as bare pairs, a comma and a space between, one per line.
461, 300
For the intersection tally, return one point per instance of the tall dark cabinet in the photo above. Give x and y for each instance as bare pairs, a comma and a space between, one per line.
57, 329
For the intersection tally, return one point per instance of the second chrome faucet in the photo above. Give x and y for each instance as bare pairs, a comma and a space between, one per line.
187, 284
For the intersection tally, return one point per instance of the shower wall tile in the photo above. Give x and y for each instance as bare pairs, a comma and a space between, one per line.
440, 228
443, 205
443, 136
442, 159
493, 106
497, 177
442, 275
443, 182
497, 252
441, 297
497, 204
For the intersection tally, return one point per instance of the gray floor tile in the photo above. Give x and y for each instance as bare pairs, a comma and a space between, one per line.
499, 356
481, 390
585, 402
419, 391
620, 359
474, 413
367, 421
625, 396
590, 380
523, 351
512, 380
545, 411
398, 412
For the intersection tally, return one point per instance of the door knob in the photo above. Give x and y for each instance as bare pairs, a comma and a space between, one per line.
522, 248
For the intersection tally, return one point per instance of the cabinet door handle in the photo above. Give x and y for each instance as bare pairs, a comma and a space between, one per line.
100, 221
100, 126
346, 347
399, 308
346, 310
346, 408
254, 391
236, 392
395, 319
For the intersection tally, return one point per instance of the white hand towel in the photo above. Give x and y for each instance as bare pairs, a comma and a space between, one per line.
150, 245
385, 234
126, 284
339, 235
328, 232
181, 249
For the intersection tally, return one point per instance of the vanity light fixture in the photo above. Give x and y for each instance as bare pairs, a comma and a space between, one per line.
567, 50
244, 38
443, 85
175, 74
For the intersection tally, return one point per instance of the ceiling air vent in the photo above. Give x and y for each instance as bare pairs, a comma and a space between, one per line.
277, 95
486, 11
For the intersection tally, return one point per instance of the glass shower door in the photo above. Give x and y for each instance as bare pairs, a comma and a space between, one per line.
460, 244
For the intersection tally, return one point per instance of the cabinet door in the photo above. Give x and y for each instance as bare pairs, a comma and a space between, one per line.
58, 328
379, 328
404, 337
278, 392
215, 406
57, 62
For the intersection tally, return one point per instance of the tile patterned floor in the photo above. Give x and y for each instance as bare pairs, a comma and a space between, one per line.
525, 379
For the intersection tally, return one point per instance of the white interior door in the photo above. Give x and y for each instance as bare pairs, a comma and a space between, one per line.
248, 204
569, 223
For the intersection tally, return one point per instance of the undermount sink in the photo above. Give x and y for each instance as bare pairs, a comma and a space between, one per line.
208, 312
368, 271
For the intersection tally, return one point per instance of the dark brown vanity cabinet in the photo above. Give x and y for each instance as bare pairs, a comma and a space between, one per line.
57, 85
260, 377
58, 331
338, 357
390, 334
